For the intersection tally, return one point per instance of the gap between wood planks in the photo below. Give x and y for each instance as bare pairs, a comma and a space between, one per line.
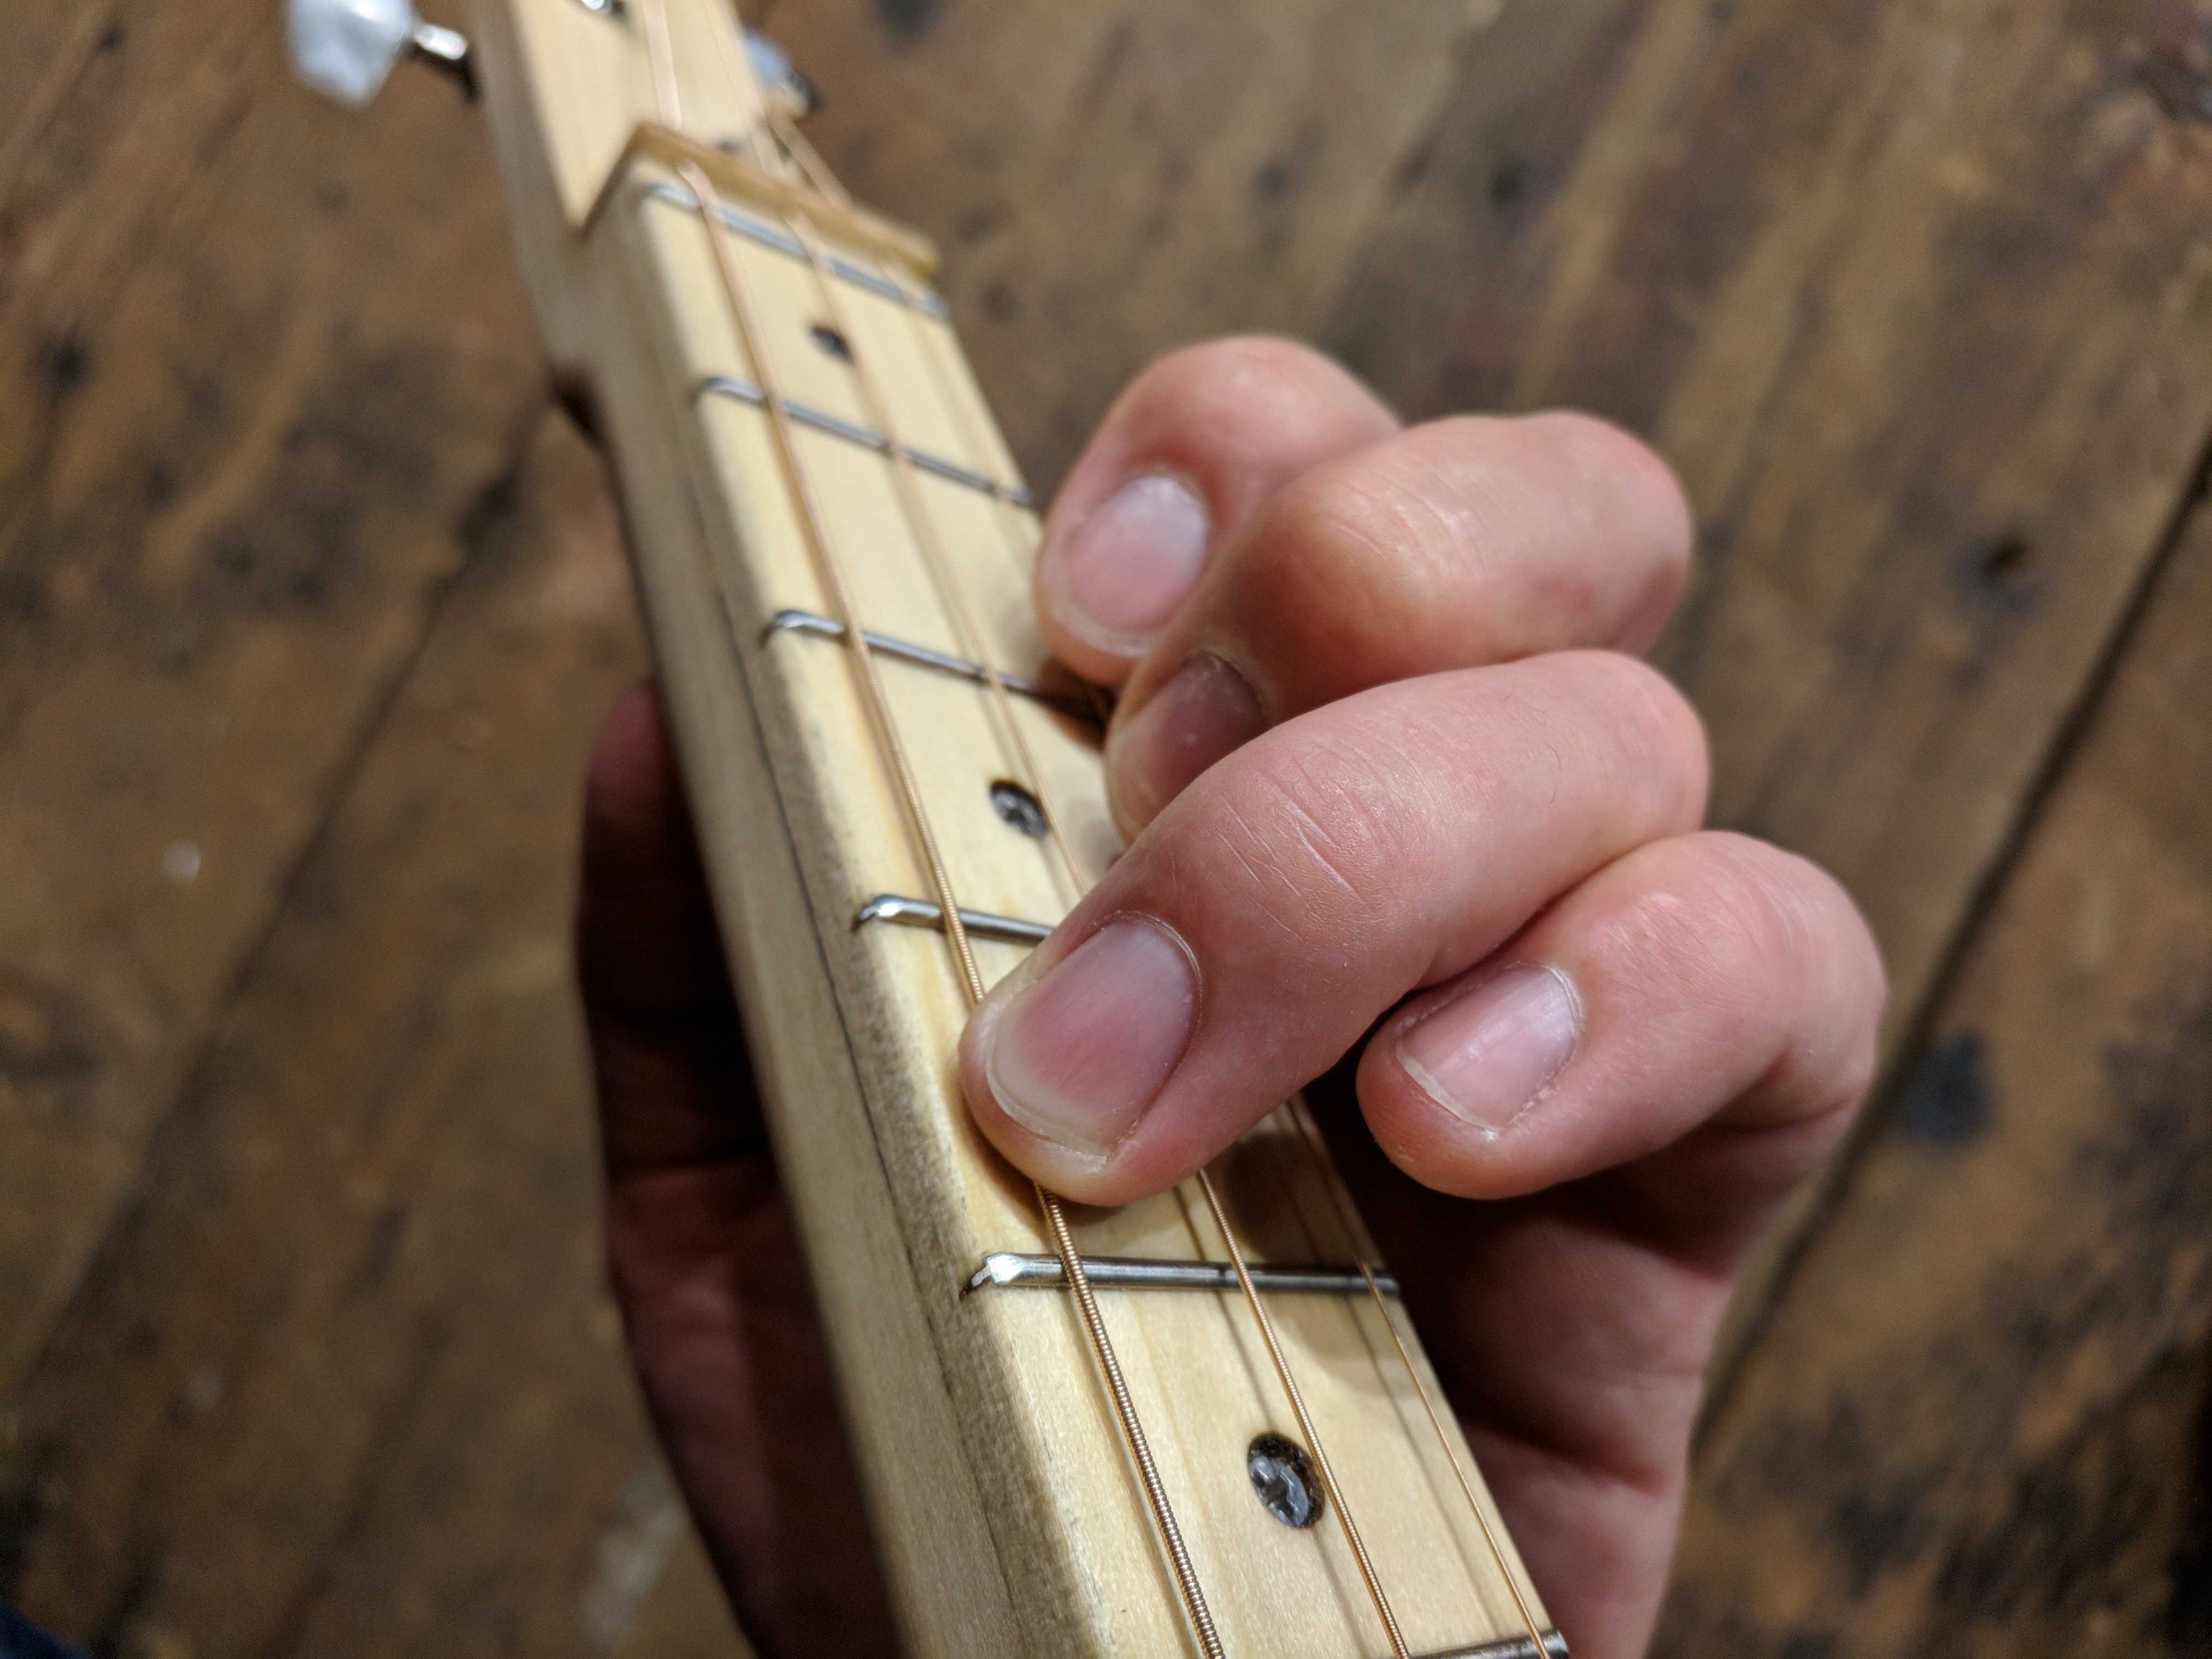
1800, 1228
477, 528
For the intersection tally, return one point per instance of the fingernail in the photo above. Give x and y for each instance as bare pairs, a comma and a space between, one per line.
1205, 711
1118, 574
1490, 1056
1077, 1056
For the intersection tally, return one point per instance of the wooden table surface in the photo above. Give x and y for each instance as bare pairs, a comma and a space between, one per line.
310, 604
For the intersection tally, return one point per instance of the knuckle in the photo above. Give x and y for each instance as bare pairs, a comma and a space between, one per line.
1629, 470
1774, 926
1309, 833
1224, 380
1654, 723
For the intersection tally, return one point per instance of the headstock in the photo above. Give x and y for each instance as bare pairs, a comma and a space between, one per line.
595, 71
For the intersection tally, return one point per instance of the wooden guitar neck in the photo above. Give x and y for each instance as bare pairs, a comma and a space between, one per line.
1200, 1423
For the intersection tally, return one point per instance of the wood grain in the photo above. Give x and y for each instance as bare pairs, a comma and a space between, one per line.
1915, 302
347, 1380
1110, 180
235, 480
1982, 1424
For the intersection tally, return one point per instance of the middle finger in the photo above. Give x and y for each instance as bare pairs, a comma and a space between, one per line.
1460, 544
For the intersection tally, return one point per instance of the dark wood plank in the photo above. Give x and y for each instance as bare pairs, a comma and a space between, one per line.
261, 370
1911, 298
1982, 1422
348, 1379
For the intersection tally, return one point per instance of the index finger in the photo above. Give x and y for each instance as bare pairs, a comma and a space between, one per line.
1301, 887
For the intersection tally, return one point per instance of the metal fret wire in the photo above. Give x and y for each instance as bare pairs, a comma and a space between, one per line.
1055, 1219
1310, 1131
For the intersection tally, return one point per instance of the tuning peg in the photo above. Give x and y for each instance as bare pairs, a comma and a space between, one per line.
345, 48
786, 88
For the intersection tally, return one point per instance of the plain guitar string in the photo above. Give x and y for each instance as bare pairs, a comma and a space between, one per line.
953, 593
950, 589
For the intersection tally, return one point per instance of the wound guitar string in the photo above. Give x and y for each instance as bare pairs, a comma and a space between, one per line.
708, 203
953, 591
894, 752
944, 578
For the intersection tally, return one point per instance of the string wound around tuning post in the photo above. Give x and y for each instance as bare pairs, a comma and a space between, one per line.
347, 49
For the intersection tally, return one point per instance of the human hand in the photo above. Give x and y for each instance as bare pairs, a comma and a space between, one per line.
1375, 772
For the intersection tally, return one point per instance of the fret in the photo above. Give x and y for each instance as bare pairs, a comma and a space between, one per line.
727, 386
1006, 1270
931, 305
1516, 1647
921, 912
829, 628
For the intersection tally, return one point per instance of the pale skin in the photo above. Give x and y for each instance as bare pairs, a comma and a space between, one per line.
1407, 817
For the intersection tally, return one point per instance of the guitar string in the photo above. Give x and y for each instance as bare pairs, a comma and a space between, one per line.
980, 455
927, 540
972, 450
893, 749
809, 159
660, 53
816, 526
953, 590
1302, 1116
744, 84
1328, 1481
708, 202
945, 579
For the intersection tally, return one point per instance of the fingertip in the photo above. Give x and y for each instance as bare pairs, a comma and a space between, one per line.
1652, 501
1668, 729
1108, 579
1205, 712
1184, 458
1723, 984
1809, 932
1649, 511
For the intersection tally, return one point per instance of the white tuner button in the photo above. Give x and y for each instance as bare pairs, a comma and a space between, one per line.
345, 48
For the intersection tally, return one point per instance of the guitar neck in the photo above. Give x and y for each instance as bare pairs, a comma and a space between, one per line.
1074, 1428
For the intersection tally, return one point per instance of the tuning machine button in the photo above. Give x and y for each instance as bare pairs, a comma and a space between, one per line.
345, 49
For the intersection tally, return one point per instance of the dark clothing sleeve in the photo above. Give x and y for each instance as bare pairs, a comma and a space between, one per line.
21, 1639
